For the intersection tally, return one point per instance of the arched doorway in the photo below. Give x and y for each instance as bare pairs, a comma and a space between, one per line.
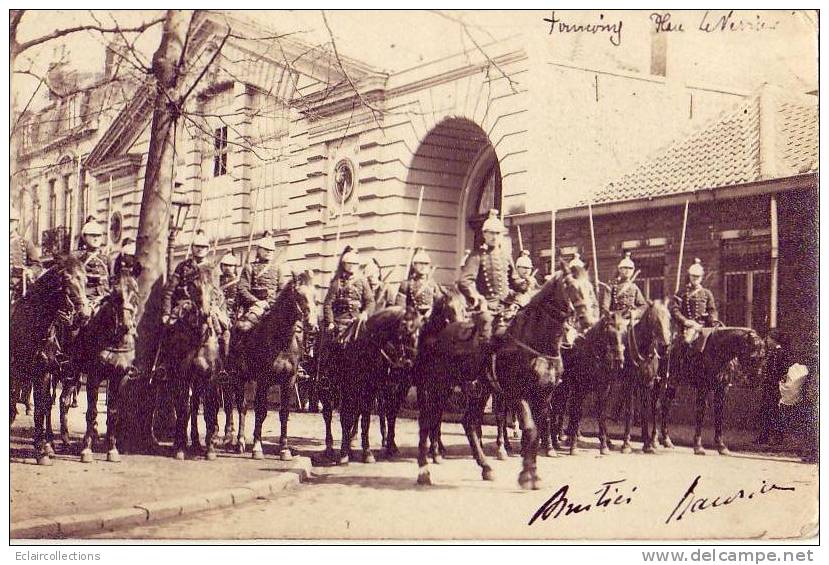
458, 168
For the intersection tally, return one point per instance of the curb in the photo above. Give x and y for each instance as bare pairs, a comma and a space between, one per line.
80, 525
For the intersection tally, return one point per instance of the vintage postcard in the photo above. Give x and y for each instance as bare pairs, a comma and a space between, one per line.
413, 276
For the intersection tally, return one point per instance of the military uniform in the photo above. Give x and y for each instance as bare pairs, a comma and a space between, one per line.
96, 264
487, 273
348, 296
697, 305
229, 283
419, 292
624, 296
259, 281
523, 289
23, 256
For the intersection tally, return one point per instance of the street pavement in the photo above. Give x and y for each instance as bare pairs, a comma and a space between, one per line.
613, 496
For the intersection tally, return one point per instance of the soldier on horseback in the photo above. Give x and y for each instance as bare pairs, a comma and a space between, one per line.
177, 295
419, 290
228, 282
349, 298
694, 309
24, 259
259, 283
524, 285
95, 261
486, 277
624, 295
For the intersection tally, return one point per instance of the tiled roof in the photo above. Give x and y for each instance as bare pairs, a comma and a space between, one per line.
726, 151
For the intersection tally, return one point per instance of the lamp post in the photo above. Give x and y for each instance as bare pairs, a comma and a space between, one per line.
178, 216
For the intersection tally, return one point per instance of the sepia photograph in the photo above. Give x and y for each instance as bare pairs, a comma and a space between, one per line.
413, 277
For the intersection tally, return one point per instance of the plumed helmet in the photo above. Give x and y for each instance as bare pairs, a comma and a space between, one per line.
420, 256
351, 256
626, 262
266, 242
92, 227
576, 261
229, 259
696, 269
494, 223
200, 239
524, 260
14, 214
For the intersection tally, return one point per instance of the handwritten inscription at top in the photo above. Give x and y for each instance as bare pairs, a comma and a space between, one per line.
665, 22
613, 29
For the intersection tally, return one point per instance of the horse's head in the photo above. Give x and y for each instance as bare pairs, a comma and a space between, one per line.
450, 306
752, 354
203, 293
123, 300
581, 295
658, 320
398, 341
611, 340
305, 298
68, 276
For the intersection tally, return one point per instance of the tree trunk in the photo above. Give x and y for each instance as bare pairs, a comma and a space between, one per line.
153, 229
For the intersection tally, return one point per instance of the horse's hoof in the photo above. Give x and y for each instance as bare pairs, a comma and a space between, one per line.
86, 456
526, 480
723, 450
626, 448
550, 452
368, 457
241, 447
49, 449
285, 454
437, 458
501, 454
487, 474
648, 449
44, 460
257, 454
210, 455
344, 459
113, 456
424, 478
667, 443
603, 450
179, 455
698, 450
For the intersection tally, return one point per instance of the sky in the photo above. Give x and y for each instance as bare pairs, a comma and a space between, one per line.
395, 41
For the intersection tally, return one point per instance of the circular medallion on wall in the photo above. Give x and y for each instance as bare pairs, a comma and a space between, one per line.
344, 178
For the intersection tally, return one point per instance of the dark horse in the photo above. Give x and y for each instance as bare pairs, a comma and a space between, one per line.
104, 350
270, 354
388, 343
191, 353
709, 371
594, 364
527, 365
647, 343
38, 337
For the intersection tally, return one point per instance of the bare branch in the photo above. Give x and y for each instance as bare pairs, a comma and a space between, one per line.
213, 57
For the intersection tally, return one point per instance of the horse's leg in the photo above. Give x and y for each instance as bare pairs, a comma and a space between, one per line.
327, 416
499, 407
210, 396
91, 419
472, 418
365, 403
654, 395
195, 402
528, 478
66, 394
228, 391
41, 387
242, 407
669, 393
718, 400
114, 384
426, 408
382, 414
285, 392
391, 403
261, 412
348, 419
702, 394
645, 394
181, 394
627, 390
577, 393
604, 394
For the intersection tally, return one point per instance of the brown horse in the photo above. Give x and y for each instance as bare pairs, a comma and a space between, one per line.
647, 342
40, 326
710, 371
104, 350
525, 370
270, 354
191, 353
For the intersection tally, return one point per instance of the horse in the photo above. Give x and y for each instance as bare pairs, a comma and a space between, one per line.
525, 368
594, 363
647, 341
38, 337
387, 344
104, 350
270, 354
710, 371
192, 357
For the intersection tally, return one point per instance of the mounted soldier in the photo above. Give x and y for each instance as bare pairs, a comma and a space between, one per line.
486, 277
95, 262
349, 298
177, 295
228, 282
695, 308
383, 294
24, 259
524, 285
259, 283
419, 290
624, 294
